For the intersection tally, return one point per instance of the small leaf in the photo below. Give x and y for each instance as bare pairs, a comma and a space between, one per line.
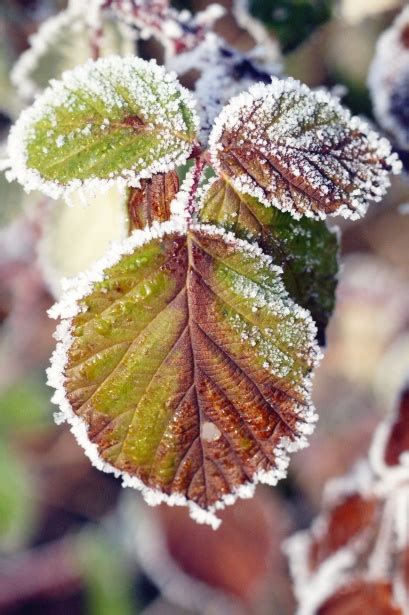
306, 250
188, 364
151, 202
300, 151
116, 118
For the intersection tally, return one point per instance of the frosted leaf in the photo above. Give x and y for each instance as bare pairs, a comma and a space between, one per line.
306, 250
355, 555
61, 43
181, 329
115, 119
94, 225
300, 151
388, 80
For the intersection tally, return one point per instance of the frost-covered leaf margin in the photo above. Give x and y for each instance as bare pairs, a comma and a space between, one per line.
301, 151
111, 84
78, 288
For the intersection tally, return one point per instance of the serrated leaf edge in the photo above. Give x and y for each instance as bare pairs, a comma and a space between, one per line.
31, 179
81, 286
378, 144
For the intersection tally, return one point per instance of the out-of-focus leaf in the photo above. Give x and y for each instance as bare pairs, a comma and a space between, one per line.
24, 405
63, 42
389, 80
292, 21
301, 151
189, 364
306, 249
16, 505
95, 226
105, 575
116, 118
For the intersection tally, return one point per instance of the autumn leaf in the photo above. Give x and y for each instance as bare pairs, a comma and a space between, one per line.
355, 555
151, 201
301, 151
183, 365
306, 249
113, 119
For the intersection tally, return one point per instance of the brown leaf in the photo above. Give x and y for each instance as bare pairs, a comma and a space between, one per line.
151, 201
300, 151
349, 518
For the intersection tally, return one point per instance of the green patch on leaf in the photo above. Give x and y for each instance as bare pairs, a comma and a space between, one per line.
306, 249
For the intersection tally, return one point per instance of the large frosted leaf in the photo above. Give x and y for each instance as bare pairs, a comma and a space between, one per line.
300, 151
113, 119
306, 249
185, 367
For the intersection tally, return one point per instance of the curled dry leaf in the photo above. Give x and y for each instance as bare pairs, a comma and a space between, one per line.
116, 119
206, 571
354, 557
151, 201
184, 366
306, 249
301, 151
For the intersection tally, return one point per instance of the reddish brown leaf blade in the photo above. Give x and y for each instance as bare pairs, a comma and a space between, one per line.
398, 440
359, 597
188, 364
346, 521
151, 201
300, 151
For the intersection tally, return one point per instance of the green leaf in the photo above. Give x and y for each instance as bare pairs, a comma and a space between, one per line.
24, 406
16, 505
113, 119
299, 150
107, 581
189, 366
306, 249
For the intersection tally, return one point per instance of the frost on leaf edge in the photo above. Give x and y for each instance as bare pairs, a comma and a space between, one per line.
81, 286
278, 87
31, 179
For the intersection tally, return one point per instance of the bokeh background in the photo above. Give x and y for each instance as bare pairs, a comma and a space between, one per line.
71, 539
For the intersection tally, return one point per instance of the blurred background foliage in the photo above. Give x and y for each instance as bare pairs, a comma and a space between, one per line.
71, 540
